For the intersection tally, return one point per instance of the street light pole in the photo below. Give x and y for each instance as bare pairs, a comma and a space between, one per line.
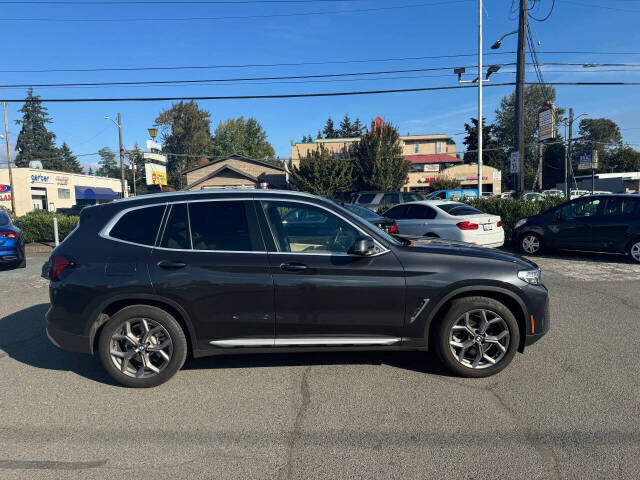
124, 193
6, 136
480, 98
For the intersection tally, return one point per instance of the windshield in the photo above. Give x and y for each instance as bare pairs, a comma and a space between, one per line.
362, 211
368, 226
458, 209
4, 219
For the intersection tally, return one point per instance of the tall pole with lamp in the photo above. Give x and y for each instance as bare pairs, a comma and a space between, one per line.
6, 136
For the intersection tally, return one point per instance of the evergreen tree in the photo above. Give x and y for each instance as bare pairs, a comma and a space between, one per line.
108, 165
378, 160
69, 160
322, 173
346, 128
34, 141
357, 129
90, 171
329, 130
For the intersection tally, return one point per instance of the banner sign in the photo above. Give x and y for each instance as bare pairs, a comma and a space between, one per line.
155, 174
431, 167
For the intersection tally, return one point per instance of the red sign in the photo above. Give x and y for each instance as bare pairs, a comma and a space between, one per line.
4, 188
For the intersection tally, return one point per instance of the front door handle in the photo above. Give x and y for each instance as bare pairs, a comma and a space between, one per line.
293, 267
171, 264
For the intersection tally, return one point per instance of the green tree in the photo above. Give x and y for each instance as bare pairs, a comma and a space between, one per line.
90, 171
322, 173
445, 183
492, 154
136, 161
622, 159
378, 160
357, 129
244, 137
504, 127
186, 133
34, 141
108, 165
346, 127
329, 130
70, 162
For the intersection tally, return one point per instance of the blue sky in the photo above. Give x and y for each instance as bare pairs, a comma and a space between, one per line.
414, 28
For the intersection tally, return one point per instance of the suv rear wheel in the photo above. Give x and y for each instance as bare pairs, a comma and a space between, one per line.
477, 337
634, 250
142, 346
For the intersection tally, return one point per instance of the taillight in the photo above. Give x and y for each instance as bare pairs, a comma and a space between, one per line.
9, 234
499, 224
393, 228
58, 264
467, 225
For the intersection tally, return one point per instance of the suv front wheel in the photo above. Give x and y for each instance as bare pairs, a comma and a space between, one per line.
142, 346
477, 337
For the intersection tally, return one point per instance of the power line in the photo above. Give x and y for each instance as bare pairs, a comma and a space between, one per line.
169, 2
216, 80
152, 18
253, 97
606, 7
546, 17
296, 64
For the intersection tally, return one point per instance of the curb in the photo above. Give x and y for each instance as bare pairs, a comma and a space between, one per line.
38, 248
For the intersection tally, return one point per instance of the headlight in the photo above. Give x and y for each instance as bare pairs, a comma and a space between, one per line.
521, 222
530, 276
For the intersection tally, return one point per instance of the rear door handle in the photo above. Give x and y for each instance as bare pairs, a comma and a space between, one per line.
171, 264
293, 267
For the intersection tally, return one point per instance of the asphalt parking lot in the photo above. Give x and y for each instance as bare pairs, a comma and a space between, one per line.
568, 408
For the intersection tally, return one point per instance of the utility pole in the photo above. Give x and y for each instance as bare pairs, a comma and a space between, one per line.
567, 157
540, 165
133, 171
6, 136
519, 120
480, 81
124, 193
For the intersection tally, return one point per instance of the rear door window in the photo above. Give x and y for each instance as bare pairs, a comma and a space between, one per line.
622, 207
390, 199
176, 233
420, 212
139, 225
224, 226
398, 212
366, 198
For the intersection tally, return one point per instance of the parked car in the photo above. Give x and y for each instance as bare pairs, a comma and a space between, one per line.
508, 194
532, 196
553, 193
607, 223
448, 220
573, 194
374, 200
456, 194
384, 223
147, 281
11, 242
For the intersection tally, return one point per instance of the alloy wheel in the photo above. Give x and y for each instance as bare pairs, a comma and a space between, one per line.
479, 339
635, 251
531, 244
140, 348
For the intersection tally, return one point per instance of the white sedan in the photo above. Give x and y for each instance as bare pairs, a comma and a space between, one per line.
448, 220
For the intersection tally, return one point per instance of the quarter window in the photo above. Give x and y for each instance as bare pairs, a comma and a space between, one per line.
223, 225
176, 233
318, 231
622, 207
139, 225
366, 198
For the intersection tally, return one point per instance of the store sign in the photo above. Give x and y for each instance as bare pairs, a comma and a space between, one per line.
41, 179
547, 122
588, 161
62, 180
470, 179
155, 174
5, 195
431, 167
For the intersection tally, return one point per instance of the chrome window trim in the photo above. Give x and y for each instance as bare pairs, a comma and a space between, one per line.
377, 243
106, 230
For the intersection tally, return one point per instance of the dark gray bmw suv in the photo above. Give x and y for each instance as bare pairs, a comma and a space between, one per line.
145, 282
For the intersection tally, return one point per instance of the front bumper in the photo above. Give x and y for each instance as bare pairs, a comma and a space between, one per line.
68, 341
540, 325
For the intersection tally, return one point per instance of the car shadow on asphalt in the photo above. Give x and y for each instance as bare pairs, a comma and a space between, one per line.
23, 337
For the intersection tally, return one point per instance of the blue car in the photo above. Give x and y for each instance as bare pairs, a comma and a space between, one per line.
11, 243
453, 194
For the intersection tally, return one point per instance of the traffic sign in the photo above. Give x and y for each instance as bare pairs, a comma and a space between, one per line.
513, 164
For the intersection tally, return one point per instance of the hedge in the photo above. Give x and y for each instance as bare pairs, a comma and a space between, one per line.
511, 210
38, 226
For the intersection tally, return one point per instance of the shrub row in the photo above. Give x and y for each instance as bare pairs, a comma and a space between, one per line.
511, 210
38, 226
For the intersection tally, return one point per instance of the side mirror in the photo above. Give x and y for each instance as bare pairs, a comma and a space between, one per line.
363, 246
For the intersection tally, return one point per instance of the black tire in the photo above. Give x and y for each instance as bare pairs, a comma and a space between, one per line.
22, 263
633, 249
457, 310
524, 243
162, 318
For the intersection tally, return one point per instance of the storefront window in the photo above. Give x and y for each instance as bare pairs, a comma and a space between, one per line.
64, 193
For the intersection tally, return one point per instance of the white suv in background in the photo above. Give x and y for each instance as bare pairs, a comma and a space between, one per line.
448, 220
374, 200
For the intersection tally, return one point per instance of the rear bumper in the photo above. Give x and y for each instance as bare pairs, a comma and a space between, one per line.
10, 256
68, 341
